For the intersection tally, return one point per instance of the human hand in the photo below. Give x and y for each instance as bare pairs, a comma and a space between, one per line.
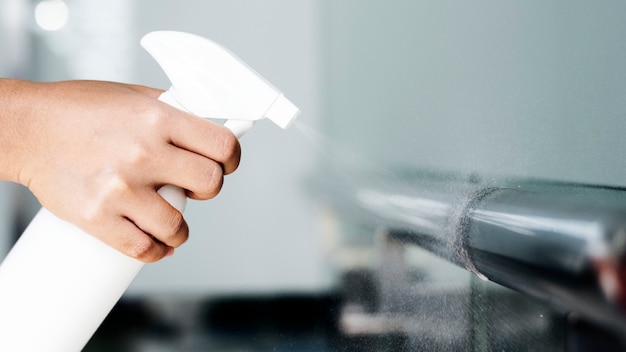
95, 153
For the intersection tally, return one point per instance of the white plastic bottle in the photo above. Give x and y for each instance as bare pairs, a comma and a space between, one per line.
58, 283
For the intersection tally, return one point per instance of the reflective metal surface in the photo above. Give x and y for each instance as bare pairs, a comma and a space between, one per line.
564, 244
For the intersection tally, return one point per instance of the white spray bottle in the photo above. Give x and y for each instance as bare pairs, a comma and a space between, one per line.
58, 283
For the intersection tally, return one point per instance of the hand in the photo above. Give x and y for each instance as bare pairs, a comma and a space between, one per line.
95, 154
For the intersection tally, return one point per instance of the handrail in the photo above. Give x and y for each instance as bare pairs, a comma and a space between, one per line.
561, 243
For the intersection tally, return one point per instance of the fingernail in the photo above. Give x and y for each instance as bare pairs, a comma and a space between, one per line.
170, 252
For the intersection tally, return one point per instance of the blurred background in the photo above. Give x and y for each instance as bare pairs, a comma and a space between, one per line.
486, 90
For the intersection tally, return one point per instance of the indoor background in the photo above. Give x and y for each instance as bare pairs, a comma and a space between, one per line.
483, 89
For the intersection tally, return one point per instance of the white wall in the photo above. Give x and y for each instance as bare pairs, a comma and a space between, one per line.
522, 88
14, 38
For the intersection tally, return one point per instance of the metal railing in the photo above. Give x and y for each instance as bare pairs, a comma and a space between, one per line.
562, 243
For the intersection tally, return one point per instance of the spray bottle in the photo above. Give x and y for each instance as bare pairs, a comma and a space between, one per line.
58, 283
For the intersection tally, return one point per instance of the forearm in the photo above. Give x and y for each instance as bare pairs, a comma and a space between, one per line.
15, 122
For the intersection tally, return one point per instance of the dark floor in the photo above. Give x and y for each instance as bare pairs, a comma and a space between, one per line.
293, 323
251, 324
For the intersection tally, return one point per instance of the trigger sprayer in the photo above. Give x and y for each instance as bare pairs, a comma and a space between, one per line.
58, 284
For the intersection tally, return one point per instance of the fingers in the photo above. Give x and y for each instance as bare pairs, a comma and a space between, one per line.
201, 177
149, 229
155, 216
127, 238
206, 138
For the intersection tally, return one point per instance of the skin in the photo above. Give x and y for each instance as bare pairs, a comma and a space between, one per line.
95, 153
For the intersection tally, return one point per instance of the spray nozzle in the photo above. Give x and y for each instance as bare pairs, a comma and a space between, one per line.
209, 81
